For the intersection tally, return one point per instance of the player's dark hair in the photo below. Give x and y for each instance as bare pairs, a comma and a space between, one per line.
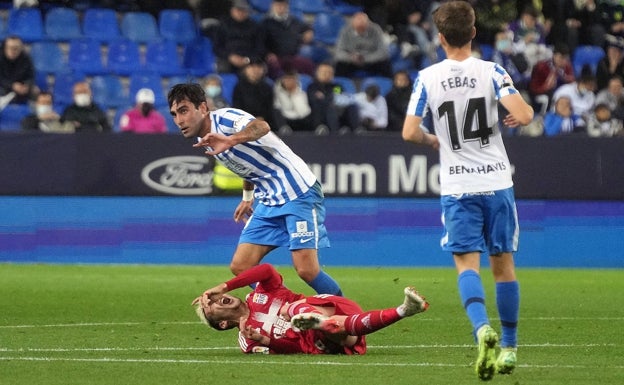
192, 92
455, 20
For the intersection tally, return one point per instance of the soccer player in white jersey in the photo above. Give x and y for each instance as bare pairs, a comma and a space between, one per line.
291, 210
478, 204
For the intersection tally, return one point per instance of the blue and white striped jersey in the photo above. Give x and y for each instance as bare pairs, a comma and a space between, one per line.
278, 173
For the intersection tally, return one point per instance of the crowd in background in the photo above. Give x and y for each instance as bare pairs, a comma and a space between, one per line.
361, 81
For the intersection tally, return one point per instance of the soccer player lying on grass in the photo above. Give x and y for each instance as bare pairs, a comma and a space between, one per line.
273, 319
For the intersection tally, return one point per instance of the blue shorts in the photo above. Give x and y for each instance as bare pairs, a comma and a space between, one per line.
486, 221
298, 224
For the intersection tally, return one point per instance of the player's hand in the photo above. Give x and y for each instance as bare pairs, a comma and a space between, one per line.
251, 333
217, 142
243, 211
510, 121
211, 295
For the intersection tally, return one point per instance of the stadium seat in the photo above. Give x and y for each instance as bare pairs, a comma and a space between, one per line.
62, 24
140, 27
177, 25
85, 55
47, 57
198, 58
62, 89
384, 83
11, 116
327, 27
318, 53
309, 6
27, 23
124, 57
101, 24
261, 6
229, 80
587, 55
305, 80
343, 8
109, 92
348, 85
3, 28
151, 80
162, 56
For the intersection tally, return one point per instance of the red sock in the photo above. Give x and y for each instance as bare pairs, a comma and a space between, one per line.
370, 321
302, 307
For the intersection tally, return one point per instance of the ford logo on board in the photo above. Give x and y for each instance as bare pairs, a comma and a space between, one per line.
179, 175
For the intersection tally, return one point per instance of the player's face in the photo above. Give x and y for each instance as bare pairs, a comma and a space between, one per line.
188, 117
224, 309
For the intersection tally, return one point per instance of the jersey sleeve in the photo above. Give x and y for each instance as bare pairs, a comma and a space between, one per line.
418, 103
503, 84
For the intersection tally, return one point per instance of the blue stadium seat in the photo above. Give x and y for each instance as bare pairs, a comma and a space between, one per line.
11, 116
47, 57
62, 90
229, 80
124, 57
198, 58
318, 53
305, 80
384, 83
62, 24
140, 27
109, 92
348, 85
327, 27
3, 28
587, 55
162, 56
85, 55
151, 80
177, 25
261, 6
171, 126
27, 23
343, 8
101, 24
309, 6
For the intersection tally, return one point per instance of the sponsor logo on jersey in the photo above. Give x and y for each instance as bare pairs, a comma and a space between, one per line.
260, 298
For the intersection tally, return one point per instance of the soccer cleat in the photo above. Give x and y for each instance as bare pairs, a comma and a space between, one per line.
307, 321
506, 361
487, 339
413, 303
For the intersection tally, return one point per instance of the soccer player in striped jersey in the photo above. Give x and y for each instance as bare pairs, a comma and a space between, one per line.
478, 204
290, 210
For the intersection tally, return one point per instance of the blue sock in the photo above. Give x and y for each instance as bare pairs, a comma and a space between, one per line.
508, 303
473, 298
324, 284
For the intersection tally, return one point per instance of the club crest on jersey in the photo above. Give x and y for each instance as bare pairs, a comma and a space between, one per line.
260, 298
239, 124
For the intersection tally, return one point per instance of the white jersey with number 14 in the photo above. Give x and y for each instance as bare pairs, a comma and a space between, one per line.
462, 97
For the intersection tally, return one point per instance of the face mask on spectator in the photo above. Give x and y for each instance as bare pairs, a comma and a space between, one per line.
43, 109
213, 91
82, 100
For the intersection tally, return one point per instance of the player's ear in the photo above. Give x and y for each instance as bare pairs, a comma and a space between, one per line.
474, 32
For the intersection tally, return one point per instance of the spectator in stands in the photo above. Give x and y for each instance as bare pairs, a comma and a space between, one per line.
292, 109
372, 109
44, 118
238, 39
602, 123
361, 49
17, 72
494, 16
253, 93
511, 59
613, 96
549, 75
612, 64
213, 87
529, 36
397, 100
210, 13
285, 34
562, 120
143, 118
581, 93
333, 110
612, 17
85, 115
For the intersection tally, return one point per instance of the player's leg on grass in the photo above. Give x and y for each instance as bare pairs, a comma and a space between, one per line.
307, 265
366, 322
472, 295
508, 304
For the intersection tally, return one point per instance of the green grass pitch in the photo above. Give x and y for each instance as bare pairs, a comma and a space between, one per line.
133, 324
